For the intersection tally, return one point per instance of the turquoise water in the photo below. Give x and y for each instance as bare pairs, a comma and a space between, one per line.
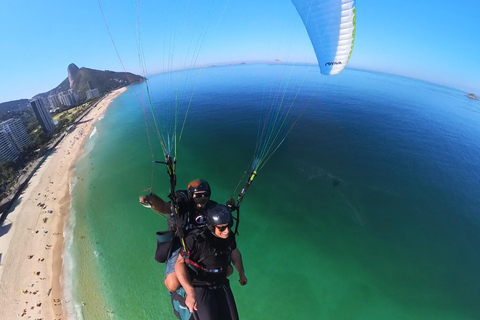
369, 209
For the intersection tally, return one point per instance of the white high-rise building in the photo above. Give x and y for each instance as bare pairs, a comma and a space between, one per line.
69, 98
17, 131
8, 151
13, 139
92, 93
73, 95
43, 116
54, 101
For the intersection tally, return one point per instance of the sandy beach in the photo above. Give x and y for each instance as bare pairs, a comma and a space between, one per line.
32, 237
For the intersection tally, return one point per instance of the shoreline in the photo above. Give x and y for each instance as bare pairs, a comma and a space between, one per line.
32, 239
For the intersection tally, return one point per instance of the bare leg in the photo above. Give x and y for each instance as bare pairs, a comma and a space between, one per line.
171, 282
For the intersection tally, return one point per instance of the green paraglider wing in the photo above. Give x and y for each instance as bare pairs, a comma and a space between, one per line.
331, 27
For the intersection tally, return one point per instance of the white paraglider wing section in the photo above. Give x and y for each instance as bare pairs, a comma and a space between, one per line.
331, 27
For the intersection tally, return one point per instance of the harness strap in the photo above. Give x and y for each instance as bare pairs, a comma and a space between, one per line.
195, 267
171, 166
240, 198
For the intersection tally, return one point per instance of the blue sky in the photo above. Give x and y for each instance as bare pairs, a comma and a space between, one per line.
428, 40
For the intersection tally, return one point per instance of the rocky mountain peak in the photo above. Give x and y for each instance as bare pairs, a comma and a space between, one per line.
73, 71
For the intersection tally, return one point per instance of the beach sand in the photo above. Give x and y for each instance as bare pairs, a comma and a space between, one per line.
32, 237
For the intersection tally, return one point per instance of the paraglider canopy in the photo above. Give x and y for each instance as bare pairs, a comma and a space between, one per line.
331, 27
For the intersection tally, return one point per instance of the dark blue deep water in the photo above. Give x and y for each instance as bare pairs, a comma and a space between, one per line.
368, 210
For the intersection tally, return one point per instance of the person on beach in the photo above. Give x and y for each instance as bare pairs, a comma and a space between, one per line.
202, 268
192, 205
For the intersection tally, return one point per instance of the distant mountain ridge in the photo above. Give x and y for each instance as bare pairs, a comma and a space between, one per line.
13, 105
81, 78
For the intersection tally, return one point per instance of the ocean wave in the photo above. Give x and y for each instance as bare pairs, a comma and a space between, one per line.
71, 186
73, 308
101, 117
93, 132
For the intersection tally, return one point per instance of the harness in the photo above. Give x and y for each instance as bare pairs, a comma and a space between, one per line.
171, 166
181, 223
195, 265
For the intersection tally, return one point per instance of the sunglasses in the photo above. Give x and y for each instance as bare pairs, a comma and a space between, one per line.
201, 195
222, 228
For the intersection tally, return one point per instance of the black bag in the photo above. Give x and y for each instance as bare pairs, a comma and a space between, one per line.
164, 245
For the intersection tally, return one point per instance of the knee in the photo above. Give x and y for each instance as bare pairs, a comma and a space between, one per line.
171, 282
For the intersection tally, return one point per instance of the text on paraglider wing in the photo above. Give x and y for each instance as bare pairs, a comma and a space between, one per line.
333, 63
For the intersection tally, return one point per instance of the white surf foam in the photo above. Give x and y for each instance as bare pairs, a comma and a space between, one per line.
93, 132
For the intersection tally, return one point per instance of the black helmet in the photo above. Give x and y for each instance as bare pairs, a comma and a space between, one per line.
218, 214
198, 185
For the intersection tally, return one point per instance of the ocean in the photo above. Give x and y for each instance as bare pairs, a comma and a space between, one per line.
367, 210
